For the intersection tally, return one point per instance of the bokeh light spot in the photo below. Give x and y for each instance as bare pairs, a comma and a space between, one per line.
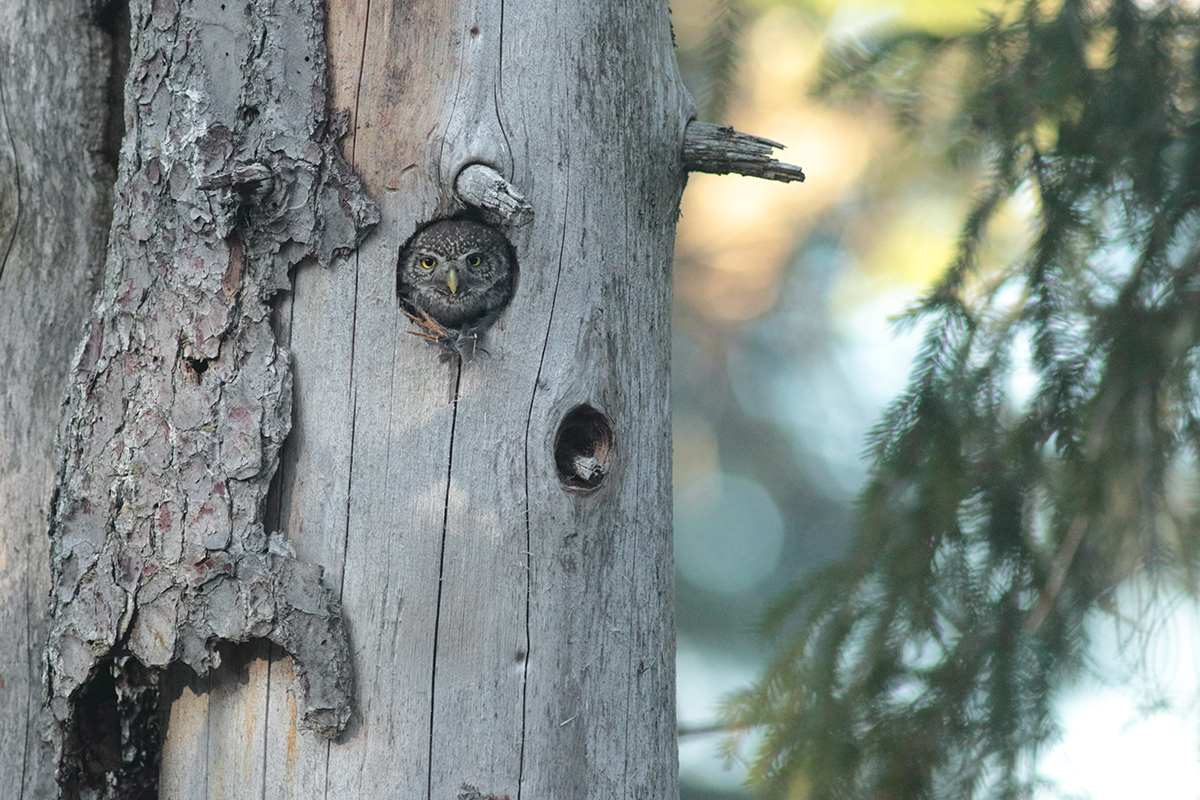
728, 533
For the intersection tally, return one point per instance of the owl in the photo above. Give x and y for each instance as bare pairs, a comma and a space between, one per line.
458, 272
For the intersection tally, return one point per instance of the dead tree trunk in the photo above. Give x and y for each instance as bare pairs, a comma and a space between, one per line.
57, 161
511, 618
494, 617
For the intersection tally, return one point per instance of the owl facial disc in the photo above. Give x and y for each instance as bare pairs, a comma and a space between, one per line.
455, 277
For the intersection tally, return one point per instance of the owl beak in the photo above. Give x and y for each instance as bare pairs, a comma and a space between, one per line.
452, 280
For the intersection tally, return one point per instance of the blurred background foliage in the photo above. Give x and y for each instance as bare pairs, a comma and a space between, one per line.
1009, 176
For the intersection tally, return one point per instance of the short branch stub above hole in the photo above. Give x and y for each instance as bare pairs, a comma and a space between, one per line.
481, 187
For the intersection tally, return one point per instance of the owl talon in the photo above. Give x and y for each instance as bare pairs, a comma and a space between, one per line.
462, 343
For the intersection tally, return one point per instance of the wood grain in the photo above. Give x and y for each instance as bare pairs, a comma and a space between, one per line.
55, 200
509, 634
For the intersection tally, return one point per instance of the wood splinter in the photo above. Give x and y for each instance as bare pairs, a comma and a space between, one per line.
481, 186
721, 150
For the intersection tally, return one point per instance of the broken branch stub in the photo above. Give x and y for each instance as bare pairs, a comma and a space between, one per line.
721, 150
481, 187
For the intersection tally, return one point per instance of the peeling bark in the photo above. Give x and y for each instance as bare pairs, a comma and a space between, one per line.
181, 395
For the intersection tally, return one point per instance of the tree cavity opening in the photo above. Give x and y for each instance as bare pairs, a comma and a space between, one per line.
583, 449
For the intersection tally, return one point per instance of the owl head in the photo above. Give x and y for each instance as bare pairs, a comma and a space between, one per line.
457, 271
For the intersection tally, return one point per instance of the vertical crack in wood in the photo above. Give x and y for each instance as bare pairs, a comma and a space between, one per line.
472, 132
456, 371
537, 381
113, 20
10, 184
353, 337
266, 718
362, 60
181, 395
11, 207
353, 321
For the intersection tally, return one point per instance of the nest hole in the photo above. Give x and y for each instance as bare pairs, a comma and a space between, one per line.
583, 449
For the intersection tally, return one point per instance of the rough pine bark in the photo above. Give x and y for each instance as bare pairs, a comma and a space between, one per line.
230, 175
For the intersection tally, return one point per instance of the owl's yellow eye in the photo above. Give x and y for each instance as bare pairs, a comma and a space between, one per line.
428, 262
473, 260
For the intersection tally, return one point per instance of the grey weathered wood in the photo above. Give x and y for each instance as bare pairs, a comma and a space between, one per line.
510, 634
721, 150
55, 197
480, 186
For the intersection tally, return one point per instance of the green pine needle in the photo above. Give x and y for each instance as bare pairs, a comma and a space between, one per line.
926, 663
